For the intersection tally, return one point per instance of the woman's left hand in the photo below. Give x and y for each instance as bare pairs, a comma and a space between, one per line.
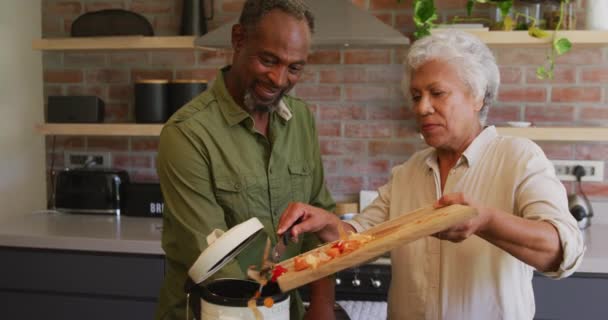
461, 232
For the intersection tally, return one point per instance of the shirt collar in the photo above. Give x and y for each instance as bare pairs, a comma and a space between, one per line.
231, 111
473, 152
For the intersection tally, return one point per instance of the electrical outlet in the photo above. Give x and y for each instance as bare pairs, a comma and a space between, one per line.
75, 159
594, 170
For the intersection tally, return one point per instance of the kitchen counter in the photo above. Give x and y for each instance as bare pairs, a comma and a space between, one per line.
142, 236
138, 235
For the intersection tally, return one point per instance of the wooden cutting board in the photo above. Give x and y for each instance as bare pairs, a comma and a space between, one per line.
387, 236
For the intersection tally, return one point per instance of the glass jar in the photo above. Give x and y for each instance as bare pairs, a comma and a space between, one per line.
529, 14
501, 22
551, 13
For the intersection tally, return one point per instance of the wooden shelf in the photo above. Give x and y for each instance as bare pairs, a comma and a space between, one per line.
581, 37
114, 43
106, 129
132, 129
558, 133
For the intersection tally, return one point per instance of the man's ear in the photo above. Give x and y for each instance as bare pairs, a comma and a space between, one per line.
238, 37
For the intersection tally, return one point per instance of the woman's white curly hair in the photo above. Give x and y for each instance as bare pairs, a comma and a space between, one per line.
472, 59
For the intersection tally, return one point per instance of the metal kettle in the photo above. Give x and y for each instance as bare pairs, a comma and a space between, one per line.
580, 209
578, 204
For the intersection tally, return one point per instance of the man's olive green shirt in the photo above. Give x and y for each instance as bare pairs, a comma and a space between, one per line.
216, 171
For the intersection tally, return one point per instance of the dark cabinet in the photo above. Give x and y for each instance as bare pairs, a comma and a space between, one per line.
582, 296
59, 284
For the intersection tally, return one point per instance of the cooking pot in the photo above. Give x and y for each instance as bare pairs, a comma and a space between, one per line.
227, 299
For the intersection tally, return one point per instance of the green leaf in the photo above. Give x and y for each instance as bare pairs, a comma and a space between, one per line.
541, 73
470, 5
424, 16
562, 45
505, 7
537, 32
424, 10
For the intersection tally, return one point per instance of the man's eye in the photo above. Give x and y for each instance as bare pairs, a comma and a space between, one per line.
416, 98
267, 61
295, 69
437, 93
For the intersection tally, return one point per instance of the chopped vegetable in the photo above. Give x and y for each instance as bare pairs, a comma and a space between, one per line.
333, 252
300, 264
268, 302
251, 304
277, 272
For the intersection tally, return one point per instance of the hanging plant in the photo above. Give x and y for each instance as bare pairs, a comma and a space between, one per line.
425, 15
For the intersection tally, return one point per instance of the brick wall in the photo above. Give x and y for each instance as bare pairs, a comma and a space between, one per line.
365, 125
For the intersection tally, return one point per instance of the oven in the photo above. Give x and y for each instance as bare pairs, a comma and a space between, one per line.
361, 292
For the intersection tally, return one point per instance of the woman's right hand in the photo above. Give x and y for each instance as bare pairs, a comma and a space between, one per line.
325, 224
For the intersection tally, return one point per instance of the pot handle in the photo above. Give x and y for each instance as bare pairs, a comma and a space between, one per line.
195, 296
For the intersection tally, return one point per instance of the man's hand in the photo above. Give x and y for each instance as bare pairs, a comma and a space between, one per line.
323, 223
461, 232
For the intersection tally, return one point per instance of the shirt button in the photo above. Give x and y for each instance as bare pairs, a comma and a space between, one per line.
237, 186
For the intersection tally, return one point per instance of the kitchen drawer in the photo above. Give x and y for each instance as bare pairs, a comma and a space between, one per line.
75, 272
26, 305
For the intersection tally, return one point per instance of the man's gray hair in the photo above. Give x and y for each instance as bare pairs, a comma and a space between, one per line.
254, 10
473, 60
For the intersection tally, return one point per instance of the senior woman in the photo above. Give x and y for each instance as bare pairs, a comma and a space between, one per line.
481, 269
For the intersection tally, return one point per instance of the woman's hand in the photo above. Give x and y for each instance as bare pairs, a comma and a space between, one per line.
461, 232
323, 223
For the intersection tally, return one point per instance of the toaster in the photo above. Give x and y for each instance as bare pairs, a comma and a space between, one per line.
90, 191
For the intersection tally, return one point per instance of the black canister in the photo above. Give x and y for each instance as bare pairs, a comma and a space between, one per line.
194, 19
182, 91
151, 101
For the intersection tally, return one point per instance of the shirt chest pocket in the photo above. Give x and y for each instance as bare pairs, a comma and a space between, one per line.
230, 195
238, 198
300, 176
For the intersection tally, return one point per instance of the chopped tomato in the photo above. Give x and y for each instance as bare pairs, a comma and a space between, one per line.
333, 252
339, 245
300, 264
277, 272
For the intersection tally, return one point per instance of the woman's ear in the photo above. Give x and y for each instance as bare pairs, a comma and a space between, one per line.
478, 105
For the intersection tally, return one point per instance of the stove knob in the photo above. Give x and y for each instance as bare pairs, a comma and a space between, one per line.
356, 282
338, 281
376, 283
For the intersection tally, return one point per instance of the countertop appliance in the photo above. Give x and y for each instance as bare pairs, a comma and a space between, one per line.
578, 203
90, 191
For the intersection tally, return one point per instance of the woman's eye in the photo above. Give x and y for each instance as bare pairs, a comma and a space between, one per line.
416, 98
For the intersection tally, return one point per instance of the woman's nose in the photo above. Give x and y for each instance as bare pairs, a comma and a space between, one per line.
423, 106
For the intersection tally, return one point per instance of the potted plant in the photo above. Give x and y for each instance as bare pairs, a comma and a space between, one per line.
425, 15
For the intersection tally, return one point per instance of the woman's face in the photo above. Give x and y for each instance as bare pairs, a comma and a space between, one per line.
446, 111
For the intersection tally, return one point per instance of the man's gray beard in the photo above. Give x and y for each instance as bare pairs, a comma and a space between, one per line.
251, 106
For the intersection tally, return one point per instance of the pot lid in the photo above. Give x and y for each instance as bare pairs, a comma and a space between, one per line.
223, 247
